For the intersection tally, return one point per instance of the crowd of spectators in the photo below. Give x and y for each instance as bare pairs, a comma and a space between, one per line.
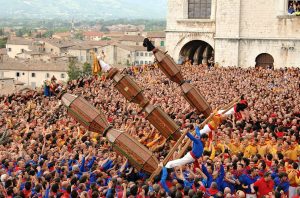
45, 153
294, 8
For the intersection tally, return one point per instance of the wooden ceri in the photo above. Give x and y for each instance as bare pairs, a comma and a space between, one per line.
179, 142
94, 120
188, 143
190, 93
154, 114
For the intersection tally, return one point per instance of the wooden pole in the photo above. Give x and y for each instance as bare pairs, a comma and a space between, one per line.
168, 157
226, 109
186, 145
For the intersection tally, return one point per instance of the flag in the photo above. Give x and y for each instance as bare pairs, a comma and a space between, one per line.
96, 65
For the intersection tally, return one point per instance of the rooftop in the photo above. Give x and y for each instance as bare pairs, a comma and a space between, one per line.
63, 34
93, 33
134, 38
132, 48
113, 34
33, 65
156, 34
59, 43
81, 47
19, 41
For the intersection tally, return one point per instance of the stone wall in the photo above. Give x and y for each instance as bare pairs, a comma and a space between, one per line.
283, 56
13, 50
226, 52
228, 19
238, 30
268, 19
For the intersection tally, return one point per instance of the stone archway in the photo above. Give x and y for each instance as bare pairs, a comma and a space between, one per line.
264, 60
198, 51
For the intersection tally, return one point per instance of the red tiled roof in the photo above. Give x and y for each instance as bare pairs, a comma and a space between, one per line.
93, 33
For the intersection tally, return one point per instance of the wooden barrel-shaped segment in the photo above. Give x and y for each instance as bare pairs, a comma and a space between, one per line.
168, 66
85, 113
162, 122
128, 88
137, 154
196, 99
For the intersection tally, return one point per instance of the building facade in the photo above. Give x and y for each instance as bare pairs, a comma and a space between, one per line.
234, 32
125, 55
17, 46
33, 73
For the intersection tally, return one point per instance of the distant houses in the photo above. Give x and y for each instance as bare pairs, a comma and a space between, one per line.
33, 60
33, 73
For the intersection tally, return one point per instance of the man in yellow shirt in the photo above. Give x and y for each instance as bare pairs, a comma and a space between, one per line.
235, 146
272, 146
262, 147
292, 151
250, 149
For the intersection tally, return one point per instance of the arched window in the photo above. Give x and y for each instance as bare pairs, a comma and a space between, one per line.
199, 9
264, 60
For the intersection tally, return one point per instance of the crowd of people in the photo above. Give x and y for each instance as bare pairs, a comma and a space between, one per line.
294, 8
46, 153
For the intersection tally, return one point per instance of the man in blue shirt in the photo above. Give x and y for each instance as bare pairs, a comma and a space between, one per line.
247, 180
282, 183
193, 155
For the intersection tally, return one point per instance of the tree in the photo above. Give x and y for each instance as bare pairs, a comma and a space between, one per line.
87, 69
104, 29
19, 33
73, 72
1, 32
38, 35
48, 34
79, 36
3, 42
105, 39
29, 33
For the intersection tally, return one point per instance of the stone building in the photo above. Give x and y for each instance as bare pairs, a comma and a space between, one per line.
33, 73
234, 32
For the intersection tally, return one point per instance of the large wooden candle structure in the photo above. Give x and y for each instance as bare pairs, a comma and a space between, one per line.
172, 71
154, 114
94, 120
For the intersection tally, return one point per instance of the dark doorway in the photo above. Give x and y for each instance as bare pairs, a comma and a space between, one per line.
264, 60
197, 51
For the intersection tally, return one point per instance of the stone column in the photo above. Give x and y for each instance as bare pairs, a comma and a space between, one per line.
185, 9
213, 9
282, 7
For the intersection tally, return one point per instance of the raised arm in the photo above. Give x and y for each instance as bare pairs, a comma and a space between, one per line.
191, 137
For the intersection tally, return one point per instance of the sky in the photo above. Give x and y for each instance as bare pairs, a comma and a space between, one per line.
106, 9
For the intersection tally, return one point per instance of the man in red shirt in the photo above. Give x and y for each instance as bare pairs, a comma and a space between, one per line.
264, 185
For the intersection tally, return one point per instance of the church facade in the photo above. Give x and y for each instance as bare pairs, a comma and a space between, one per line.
234, 32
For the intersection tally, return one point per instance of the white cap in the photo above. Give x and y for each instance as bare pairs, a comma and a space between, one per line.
3, 177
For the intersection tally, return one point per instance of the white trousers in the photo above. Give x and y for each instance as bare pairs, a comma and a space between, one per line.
182, 161
292, 191
105, 67
230, 112
206, 128
251, 196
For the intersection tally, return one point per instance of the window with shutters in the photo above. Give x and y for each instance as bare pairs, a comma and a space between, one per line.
199, 9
